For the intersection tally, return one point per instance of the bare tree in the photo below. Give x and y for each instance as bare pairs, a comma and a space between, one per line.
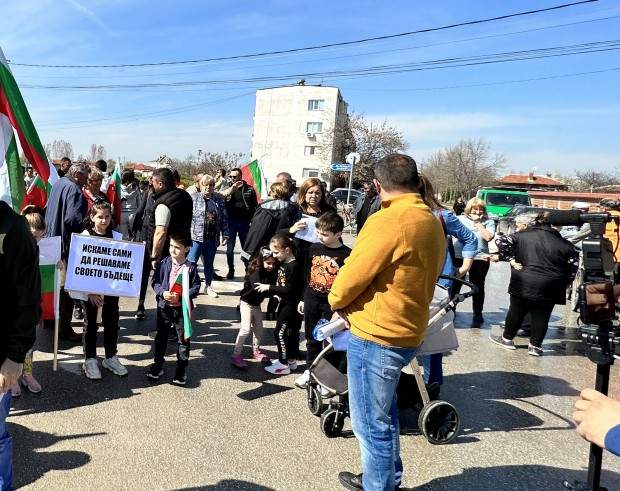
97, 152
58, 149
355, 134
588, 181
206, 163
462, 169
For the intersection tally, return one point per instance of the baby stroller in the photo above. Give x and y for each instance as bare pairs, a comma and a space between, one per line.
438, 420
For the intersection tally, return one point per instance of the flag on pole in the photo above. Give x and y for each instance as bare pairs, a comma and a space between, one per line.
38, 193
49, 255
114, 191
252, 173
14, 118
181, 287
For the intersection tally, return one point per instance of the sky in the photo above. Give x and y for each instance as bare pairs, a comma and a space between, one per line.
147, 78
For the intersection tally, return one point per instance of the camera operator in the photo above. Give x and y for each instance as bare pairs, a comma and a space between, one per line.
576, 233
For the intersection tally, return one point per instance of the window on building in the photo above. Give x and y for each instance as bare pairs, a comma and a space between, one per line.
314, 127
310, 173
309, 150
316, 104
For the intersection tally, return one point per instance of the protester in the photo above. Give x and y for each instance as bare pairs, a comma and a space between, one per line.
20, 307
169, 305
388, 313
452, 227
325, 259
140, 232
92, 189
366, 205
36, 222
29, 177
286, 179
459, 206
261, 269
476, 220
130, 202
102, 166
66, 210
220, 180
209, 224
65, 164
241, 203
99, 224
548, 263
195, 188
178, 183
288, 288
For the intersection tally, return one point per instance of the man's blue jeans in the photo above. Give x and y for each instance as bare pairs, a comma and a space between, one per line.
374, 371
207, 250
6, 447
235, 227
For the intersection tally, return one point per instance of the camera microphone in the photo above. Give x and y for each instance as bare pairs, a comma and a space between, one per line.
564, 217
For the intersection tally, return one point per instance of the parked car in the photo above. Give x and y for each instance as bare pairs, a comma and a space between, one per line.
500, 200
505, 223
341, 194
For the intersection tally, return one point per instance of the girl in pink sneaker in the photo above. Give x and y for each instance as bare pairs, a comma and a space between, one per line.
261, 269
36, 221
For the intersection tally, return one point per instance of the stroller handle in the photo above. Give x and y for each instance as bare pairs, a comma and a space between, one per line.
473, 289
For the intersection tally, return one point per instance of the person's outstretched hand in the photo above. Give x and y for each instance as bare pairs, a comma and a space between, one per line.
9, 373
596, 414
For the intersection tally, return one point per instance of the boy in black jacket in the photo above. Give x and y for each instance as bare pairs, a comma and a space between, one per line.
325, 259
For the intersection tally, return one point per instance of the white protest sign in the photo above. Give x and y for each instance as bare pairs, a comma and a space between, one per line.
104, 266
309, 233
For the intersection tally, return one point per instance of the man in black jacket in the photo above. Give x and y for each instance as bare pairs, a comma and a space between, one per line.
241, 203
20, 307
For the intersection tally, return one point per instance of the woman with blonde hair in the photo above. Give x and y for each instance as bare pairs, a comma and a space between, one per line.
476, 220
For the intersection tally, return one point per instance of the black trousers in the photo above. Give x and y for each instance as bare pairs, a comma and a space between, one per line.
286, 333
316, 309
477, 275
166, 317
146, 273
540, 311
109, 319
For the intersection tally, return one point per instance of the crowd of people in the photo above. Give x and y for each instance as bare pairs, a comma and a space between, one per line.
293, 254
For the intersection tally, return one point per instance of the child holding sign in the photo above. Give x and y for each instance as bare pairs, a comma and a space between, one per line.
171, 305
99, 223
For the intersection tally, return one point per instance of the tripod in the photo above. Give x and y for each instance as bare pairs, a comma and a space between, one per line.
599, 342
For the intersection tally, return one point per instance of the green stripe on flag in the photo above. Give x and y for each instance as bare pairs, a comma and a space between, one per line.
47, 277
257, 176
16, 176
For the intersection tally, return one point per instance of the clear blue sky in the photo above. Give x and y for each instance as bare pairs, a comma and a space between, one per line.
557, 113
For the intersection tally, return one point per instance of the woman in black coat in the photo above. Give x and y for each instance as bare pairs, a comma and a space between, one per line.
545, 264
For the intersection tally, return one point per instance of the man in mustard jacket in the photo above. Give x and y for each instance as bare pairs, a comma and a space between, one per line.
384, 292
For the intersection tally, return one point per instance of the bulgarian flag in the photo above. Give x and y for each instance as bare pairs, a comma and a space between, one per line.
49, 255
114, 192
252, 173
14, 118
181, 287
38, 192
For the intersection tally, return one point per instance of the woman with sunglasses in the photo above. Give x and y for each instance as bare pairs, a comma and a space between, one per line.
261, 269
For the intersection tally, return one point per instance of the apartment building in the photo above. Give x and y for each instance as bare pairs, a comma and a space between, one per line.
289, 125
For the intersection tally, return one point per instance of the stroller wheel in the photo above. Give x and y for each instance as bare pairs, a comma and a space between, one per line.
439, 422
315, 401
332, 423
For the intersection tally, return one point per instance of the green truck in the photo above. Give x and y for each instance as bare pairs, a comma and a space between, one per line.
500, 200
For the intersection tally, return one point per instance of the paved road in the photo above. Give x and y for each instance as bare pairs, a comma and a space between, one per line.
246, 430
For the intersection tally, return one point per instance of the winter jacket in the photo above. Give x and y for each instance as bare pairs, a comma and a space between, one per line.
270, 217
161, 281
548, 261
20, 302
375, 205
454, 228
130, 197
250, 201
66, 210
181, 209
198, 217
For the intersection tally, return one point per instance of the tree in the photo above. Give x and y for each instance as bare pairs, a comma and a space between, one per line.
355, 134
588, 181
209, 163
462, 169
58, 149
97, 152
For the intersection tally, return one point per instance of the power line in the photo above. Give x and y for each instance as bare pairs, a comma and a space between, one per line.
504, 57
323, 46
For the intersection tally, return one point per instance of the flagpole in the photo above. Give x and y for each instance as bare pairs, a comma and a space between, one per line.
55, 360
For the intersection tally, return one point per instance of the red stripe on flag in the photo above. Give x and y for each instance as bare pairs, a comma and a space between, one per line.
47, 304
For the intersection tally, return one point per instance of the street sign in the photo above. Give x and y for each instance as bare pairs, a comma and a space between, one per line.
341, 167
353, 158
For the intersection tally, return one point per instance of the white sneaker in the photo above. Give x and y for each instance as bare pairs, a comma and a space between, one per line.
91, 369
325, 392
292, 364
278, 368
209, 291
115, 366
302, 380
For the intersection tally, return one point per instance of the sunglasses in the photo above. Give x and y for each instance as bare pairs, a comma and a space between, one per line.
266, 252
